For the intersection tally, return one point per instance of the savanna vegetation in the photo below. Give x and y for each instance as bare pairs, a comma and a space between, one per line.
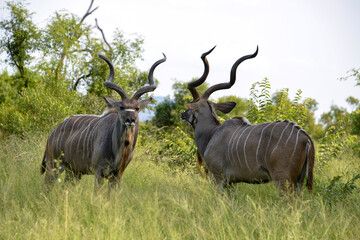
53, 72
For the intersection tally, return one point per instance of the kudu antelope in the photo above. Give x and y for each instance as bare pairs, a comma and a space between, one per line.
237, 151
101, 145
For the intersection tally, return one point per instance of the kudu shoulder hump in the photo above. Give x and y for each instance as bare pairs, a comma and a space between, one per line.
242, 120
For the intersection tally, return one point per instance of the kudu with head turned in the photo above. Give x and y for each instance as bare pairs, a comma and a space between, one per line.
102, 145
237, 151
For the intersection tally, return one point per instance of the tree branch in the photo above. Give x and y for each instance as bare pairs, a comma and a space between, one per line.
74, 37
78, 80
88, 12
103, 35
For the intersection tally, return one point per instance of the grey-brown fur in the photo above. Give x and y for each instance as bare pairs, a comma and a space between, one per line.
101, 145
237, 151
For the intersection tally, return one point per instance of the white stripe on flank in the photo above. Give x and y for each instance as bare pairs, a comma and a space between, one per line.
233, 143
245, 147
72, 127
87, 146
77, 132
54, 136
237, 144
307, 156
230, 142
296, 143
267, 147
63, 129
257, 149
290, 135
49, 138
82, 132
280, 138
91, 135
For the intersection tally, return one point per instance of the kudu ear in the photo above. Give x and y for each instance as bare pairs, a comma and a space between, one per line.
144, 103
224, 107
109, 101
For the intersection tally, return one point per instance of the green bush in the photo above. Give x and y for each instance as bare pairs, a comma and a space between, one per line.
38, 109
174, 146
338, 190
263, 108
336, 140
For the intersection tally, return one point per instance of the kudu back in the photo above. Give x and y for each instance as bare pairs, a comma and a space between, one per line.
102, 145
237, 151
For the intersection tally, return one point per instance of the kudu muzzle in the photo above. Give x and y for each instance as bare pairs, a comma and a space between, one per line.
188, 117
129, 117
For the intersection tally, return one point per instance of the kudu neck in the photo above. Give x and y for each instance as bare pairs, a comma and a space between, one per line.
124, 135
204, 129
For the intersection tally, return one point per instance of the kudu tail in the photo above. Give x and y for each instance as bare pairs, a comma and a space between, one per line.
310, 156
43, 165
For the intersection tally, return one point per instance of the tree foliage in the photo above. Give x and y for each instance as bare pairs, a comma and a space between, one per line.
355, 74
265, 107
18, 40
38, 109
340, 116
241, 108
354, 102
56, 68
342, 129
167, 113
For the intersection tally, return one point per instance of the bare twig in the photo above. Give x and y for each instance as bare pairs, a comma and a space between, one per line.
103, 35
88, 12
78, 80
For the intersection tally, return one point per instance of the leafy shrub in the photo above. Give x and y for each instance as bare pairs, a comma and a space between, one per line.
355, 120
179, 148
93, 104
38, 109
263, 108
173, 146
335, 141
338, 190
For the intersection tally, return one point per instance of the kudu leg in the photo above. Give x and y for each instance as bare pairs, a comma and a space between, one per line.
224, 184
200, 164
71, 177
50, 178
99, 180
51, 173
115, 181
301, 178
285, 185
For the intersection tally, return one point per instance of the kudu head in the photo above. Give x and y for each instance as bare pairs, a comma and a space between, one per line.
128, 108
201, 105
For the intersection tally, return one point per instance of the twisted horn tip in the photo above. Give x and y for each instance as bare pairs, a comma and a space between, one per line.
164, 56
208, 52
257, 50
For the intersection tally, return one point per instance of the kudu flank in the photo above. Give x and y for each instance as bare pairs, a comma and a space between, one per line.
101, 145
237, 151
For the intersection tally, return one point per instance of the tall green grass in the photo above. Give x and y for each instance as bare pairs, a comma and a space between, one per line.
156, 202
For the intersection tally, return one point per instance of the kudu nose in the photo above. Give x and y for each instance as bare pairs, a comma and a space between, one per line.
130, 121
183, 116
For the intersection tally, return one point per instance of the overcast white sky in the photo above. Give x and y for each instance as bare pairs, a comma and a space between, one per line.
305, 44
